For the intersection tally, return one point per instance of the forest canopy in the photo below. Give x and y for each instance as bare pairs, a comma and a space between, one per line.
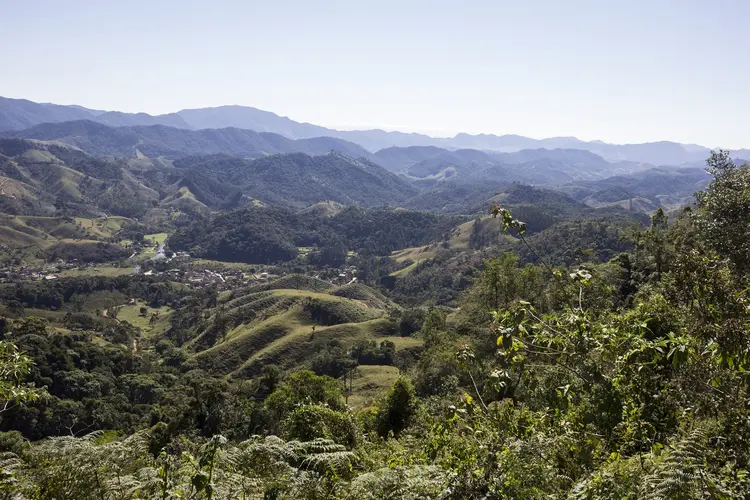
619, 374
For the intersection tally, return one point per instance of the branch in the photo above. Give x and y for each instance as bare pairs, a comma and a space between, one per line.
537, 255
476, 389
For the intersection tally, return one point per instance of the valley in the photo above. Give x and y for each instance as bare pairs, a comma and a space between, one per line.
229, 278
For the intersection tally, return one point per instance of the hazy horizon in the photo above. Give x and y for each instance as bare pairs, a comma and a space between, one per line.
619, 72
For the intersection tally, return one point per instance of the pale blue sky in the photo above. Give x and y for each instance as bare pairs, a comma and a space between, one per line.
616, 70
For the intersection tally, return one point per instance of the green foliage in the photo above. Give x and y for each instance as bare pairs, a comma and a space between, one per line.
331, 312
14, 367
333, 256
304, 387
397, 409
87, 251
262, 235
618, 380
374, 353
91, 467
723, 209
411, 321
415, 482
315, 421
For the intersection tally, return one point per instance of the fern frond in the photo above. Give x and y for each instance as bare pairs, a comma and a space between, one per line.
411, 483
681, 475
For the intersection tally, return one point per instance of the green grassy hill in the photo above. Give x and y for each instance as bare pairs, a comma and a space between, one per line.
48, 177
270, 324
50, 238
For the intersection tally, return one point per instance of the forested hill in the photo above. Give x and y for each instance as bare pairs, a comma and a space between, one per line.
51, 178
160, 140
273, 234
299, 179
48, 179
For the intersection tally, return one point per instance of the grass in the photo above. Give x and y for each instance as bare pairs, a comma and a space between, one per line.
364, 294
402, 342
156, 238
406, 270
370, 382
132, 314
226, 357
275, 324
305, 293
184, 200
332, 310
51, 229
103, 227
49, 315
300, 282
99, 270
297, 332
218, 265
17, 239
39, 156
285, 339
459, 240
300, 343
415, 254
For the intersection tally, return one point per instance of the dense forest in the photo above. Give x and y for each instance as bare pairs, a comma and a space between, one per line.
269, 235
554, 356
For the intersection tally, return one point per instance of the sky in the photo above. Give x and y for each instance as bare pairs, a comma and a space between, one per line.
622, 71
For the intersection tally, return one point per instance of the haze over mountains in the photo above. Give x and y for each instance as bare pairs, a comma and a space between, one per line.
160, 140
83, 161
19, 114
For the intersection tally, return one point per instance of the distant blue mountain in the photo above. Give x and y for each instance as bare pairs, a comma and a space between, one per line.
19, 114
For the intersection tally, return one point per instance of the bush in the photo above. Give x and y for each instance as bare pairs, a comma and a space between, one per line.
411, 322
304, 387
396, 411
321, 422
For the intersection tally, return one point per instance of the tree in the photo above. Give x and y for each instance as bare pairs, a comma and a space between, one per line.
304, 387
30, 325
14, 366
410, 322
309, 422
499, 283
433, 326
397, 409
724, 206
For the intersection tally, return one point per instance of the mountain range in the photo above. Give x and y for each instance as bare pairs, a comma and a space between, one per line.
169, 142
209, 169
424, 165
50, 178
19, 114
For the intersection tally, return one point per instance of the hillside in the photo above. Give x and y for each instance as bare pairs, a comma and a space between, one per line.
432, 165
165, 141
270, 324
260, 235
642, 191
36, 238
46, 178
299, 179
